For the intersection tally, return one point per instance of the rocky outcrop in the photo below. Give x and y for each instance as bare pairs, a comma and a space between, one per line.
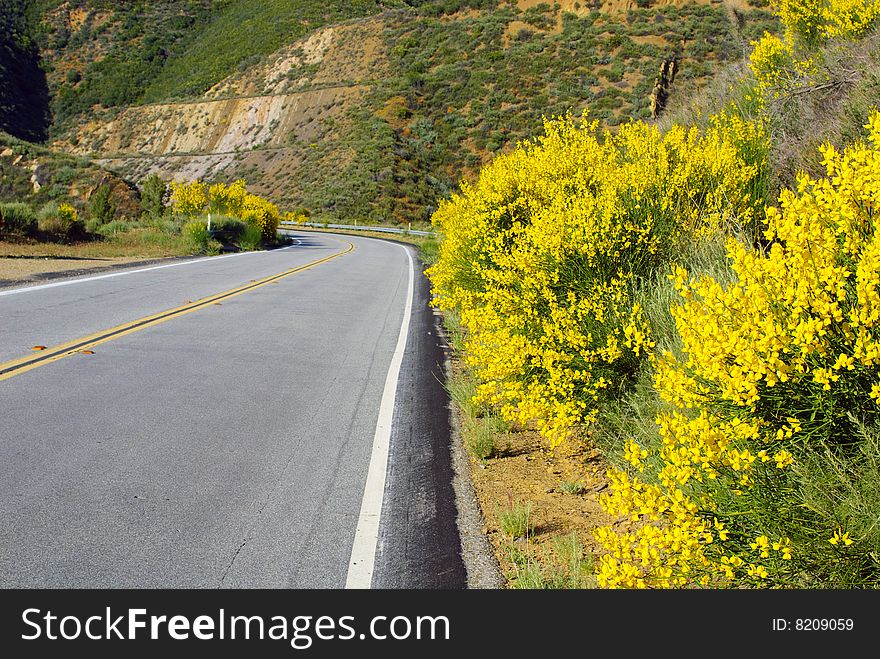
662, 84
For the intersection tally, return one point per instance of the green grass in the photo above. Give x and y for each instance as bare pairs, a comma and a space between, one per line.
251, 238
572, 487
563, 566
482, 435
478, 438
462, 390
514, 519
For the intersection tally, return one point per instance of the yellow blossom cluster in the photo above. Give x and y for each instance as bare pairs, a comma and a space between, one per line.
778, 62
818, 20
295, 217
542, 254
189, 198
227, 199
777, 359
67, 214
195, 197
262, 214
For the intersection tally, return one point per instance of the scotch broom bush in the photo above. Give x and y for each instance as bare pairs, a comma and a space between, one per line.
778, 63
541, 255
780, 376
196, 198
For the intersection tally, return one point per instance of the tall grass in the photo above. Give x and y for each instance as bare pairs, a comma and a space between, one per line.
562, 566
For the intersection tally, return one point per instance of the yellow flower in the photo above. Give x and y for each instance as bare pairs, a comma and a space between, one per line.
762, 544
783, 459
839, 537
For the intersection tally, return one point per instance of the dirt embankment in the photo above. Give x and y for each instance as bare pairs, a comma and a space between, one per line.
286, 104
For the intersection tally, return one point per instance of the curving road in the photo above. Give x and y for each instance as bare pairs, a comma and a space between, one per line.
212, 423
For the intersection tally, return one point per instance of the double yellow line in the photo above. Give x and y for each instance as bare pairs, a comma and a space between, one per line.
18, 366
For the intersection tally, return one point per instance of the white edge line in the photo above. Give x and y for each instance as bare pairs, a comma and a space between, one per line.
68, 282
366, 538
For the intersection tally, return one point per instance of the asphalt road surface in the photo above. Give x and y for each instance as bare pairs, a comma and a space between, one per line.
212, 424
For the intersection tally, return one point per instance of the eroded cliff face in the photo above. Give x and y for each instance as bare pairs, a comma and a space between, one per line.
278, 110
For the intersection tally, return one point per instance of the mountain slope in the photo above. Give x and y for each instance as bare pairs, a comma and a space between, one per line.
24, 94
376, 118
366, 110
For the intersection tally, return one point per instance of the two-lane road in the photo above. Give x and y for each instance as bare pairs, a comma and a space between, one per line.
211, 424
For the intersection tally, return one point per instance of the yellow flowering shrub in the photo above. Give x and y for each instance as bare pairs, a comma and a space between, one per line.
196, 198
261, 213
189, 198
296, 217
776, 61
776, 367
772, 60
67, 214
542, 253
818, 20
227, 199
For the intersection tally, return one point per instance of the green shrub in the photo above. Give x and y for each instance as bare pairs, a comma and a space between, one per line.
58, 221
196, 234
101, 206
251, 238
154, 196
227, 229
17, 217
110, 229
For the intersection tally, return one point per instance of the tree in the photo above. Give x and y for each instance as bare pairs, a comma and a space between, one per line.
153, 196
101, 206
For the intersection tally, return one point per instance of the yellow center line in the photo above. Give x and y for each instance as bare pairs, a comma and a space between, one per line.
50, 355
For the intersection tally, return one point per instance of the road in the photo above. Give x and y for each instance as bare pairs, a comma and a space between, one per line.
213, 424
361, 227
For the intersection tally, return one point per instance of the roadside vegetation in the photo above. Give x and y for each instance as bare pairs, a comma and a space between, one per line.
698, 303
182, 218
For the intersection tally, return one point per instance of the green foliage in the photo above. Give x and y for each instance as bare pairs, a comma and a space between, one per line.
572, 487
24, 93
109, 229
562, 566
240, 32
227, 229
154, 196
251, 238
462, 390
196, 234
480, 435
58, 222
101, 206
180, 48
140, 38
514, 519
17, 217
429, 251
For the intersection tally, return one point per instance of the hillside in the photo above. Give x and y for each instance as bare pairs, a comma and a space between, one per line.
41, 175
24, 94
360, 110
